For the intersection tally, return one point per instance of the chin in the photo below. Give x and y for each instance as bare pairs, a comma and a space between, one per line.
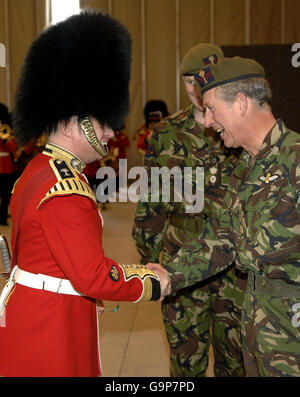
228, 143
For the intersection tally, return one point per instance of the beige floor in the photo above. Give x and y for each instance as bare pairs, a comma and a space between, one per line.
133, 341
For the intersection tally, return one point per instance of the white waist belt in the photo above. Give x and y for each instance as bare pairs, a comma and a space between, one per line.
43, 282
4, 154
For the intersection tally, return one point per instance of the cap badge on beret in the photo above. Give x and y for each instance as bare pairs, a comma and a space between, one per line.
227, 70
204, 76
213, 58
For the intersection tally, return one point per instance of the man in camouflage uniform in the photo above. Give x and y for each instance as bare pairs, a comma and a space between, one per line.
260, 226
210, 312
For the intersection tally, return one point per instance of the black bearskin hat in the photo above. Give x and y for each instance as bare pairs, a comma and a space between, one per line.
4, 114
155, 105
78, 67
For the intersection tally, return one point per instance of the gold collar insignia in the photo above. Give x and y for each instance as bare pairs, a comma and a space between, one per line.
61, 153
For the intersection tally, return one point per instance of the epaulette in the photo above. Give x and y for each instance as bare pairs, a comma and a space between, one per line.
181, 115
68, 182
176, 119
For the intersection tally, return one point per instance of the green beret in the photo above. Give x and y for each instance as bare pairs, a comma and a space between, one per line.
226, 71
199, 56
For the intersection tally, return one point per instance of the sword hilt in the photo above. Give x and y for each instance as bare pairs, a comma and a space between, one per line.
5, 254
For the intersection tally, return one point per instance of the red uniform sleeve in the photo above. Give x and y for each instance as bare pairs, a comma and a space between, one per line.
73, 231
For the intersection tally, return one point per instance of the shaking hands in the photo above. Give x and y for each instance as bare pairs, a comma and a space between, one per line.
164, 278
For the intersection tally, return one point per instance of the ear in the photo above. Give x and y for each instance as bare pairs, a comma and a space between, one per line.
67, 129
200, 100
242, 101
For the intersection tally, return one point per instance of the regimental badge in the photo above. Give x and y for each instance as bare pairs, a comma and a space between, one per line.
61, 169
213, 179
268, 178
76, 163
204, 76
114, 273
213, 171
213, 58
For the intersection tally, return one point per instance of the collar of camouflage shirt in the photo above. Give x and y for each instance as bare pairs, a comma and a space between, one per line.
271, 139
246, 162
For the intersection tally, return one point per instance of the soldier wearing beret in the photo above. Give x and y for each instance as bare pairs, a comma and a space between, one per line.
208, 313
260, 226
48, 313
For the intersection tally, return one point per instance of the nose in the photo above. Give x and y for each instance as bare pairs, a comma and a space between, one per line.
208, 119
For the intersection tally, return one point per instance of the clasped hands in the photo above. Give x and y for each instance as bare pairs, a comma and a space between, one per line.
164, 278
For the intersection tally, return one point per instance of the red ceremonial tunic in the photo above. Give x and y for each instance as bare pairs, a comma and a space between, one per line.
47, 333
6, 164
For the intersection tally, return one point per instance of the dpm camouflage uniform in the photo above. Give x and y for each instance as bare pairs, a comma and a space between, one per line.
210, 312
259, 230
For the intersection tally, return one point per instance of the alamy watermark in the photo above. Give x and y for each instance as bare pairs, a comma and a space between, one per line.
159, 184
296, 316
2, 56
296, 57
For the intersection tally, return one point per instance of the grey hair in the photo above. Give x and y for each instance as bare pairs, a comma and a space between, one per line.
257, 89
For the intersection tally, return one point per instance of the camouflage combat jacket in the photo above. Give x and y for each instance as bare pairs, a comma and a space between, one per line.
260, 227
179, 141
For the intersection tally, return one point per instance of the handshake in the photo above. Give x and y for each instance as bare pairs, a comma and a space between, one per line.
164, 278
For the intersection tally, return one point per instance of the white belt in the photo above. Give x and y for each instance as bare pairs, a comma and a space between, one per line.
43, 282
4, 154
37, 281
47, 283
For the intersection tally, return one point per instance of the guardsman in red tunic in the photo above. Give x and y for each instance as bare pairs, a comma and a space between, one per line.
7, 148
48, 321
154, 111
